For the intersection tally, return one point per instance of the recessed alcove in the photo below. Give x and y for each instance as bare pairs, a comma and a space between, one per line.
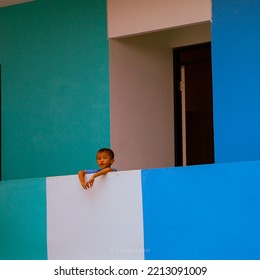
141, 94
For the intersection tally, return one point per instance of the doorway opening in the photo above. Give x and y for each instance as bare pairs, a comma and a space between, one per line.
193, 106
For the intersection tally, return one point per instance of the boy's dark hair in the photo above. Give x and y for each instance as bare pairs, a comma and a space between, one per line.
107, 150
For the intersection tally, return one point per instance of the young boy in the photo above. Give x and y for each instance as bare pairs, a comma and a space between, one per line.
105, 158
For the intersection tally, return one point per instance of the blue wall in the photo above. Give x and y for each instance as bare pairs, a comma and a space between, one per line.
236, 83
55, 86
202, 212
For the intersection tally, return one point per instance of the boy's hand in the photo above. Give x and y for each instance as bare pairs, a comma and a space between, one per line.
90, 182
84, 184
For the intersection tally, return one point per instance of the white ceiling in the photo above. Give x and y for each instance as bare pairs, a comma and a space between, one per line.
4, 3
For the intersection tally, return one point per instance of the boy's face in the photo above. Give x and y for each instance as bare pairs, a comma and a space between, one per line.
104, 160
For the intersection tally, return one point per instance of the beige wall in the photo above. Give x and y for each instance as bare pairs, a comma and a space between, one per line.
4, 3
141, 80
128, 17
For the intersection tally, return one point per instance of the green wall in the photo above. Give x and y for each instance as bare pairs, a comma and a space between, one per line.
55, 86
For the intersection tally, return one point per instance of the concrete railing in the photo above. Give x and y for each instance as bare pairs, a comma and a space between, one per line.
196, 212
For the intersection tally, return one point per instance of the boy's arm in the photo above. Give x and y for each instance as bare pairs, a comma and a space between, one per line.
81, 175
103, 171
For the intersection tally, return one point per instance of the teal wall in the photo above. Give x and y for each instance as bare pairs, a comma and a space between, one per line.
236, 83
55, 86
23, 216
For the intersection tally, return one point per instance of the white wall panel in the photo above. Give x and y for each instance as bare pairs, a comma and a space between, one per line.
105, 222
